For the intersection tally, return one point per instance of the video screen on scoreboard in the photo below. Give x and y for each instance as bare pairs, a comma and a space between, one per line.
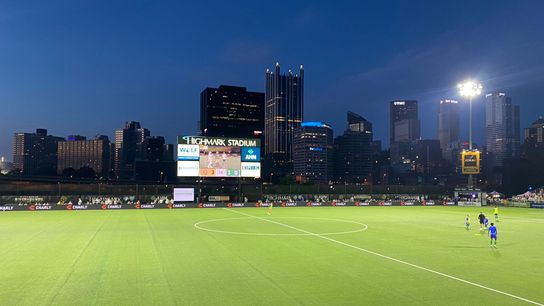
220, 161
200, 156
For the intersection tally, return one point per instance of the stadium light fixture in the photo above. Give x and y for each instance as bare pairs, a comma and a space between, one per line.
470, 89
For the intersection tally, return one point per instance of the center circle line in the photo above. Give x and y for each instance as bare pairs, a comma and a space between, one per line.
198, 226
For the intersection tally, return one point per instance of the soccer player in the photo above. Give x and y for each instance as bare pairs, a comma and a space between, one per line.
493, 235
224, 158
210, 159
270, 208
486, 223
481, 217
496, 213
467, 222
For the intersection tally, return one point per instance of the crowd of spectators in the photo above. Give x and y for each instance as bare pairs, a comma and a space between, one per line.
535, 196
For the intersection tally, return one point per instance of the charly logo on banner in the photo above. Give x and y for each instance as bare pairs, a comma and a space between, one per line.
206, 205
34, 207
289, 204
362, 203
231, 205
177, 205
144, 206
313, 204
76, 207
111, 206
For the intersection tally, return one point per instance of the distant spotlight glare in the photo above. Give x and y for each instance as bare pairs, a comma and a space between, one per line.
469, 89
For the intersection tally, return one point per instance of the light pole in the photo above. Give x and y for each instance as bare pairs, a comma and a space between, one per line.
470, 89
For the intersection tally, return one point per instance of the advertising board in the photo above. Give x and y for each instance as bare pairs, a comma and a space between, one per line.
470, 162
184, 194
200, 156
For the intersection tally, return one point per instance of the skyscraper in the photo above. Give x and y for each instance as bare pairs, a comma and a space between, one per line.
313, 152
231, 111
77, 152
533, 140
428, 157
353, 151
404, 124
502, 127
155, 149
284, 112
448, 124
128, 147
156, 162
35, 153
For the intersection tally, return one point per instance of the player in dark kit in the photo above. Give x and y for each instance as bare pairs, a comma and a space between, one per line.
481, 218
493, 235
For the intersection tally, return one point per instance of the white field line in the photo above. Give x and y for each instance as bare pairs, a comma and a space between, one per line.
390, 258
199, 226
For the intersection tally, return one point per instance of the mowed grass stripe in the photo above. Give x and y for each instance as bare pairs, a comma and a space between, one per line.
138, 253
390, 258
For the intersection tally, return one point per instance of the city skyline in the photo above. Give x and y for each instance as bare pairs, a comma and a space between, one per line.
90, 85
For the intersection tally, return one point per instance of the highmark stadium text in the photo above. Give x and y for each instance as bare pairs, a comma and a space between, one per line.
200, 156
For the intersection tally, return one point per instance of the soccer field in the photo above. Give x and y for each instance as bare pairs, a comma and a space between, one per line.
296, 256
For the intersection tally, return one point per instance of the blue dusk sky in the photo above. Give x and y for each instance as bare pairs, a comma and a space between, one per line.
86, 67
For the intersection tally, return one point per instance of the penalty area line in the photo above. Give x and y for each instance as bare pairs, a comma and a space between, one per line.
390, 258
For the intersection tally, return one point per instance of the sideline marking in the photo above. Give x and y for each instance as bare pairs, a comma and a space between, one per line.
390, 258
364, 227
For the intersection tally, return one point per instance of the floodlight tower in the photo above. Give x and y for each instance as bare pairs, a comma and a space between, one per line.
470, 89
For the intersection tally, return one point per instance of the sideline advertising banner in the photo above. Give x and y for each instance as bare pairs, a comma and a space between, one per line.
221, 204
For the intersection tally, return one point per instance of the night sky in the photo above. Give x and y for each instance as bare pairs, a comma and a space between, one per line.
86, 67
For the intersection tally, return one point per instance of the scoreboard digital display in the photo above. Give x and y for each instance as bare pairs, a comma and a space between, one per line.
470, 162
199, 156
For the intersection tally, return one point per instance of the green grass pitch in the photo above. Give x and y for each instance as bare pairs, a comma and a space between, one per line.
380, 256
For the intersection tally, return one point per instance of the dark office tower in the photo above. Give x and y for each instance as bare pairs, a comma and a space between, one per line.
376, 147
141, 135
353, 151
77, 153
534, 134
427, 157
533, 141
404, 123
154, 148
128, 147
516, 131
284, 112
313, 152
448, 124
168, 152
230, 111
502, 127
35, 153
157, 161
381, 164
